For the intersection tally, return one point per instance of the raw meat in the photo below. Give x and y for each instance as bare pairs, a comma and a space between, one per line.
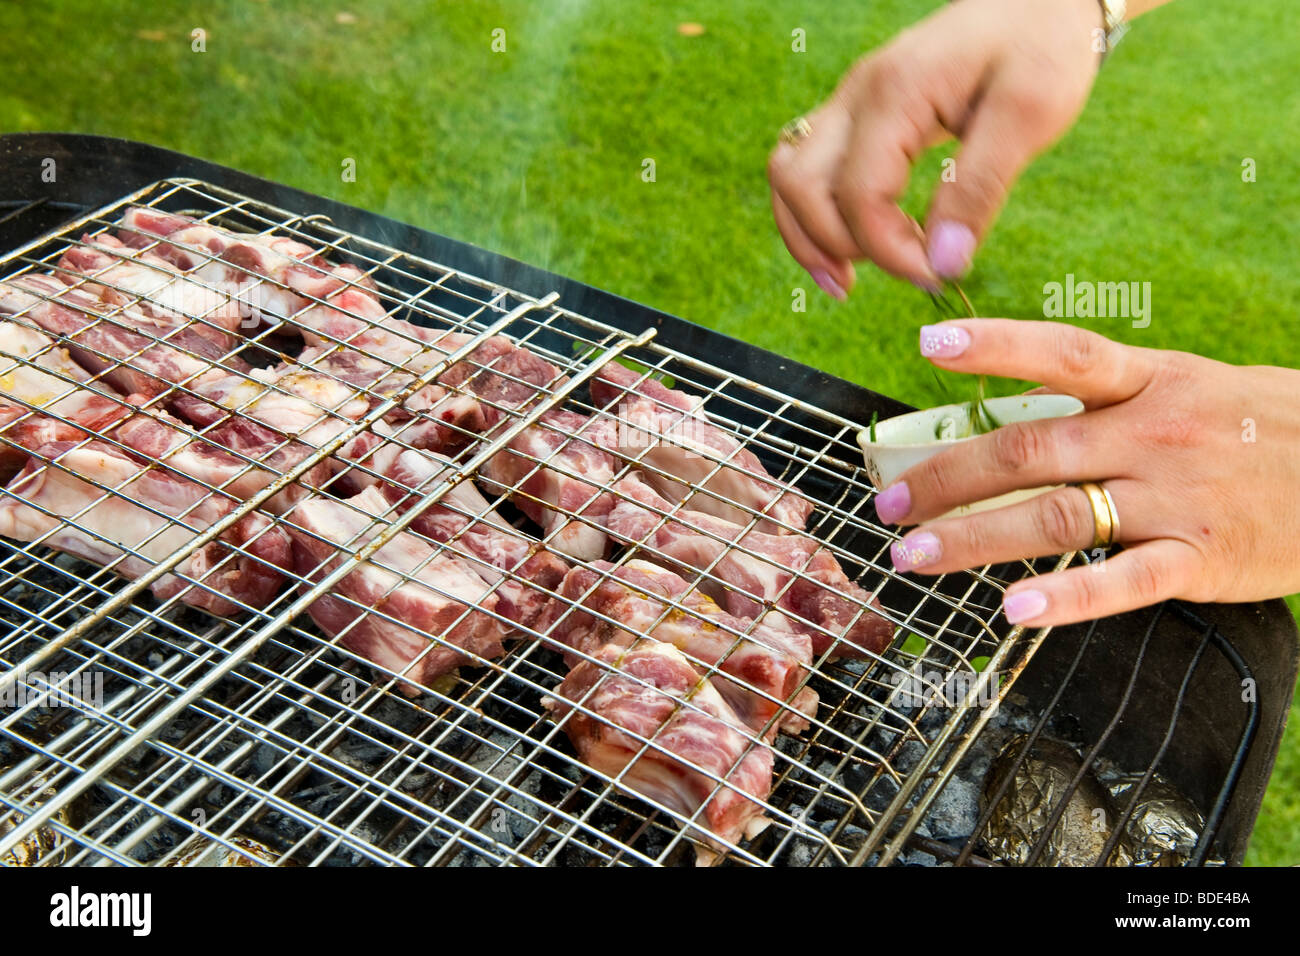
792, 573
134, 352
523, 573
251, 269
699, 759
570, 510
149, 514
409, 606
760, 666
677, 443
116, 274
39, 380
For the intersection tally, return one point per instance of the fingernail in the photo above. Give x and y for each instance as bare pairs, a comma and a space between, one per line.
1023, 605
915, 551
943, 341
951, 247
827, 284
893, 503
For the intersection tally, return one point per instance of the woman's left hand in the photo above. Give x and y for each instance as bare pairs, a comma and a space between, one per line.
1202, 460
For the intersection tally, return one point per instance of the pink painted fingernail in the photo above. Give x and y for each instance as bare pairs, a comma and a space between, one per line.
894, 503
915, 551
943, 341
951, 245
827, 284
1023, 605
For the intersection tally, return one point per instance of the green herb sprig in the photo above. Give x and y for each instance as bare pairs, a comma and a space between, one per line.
981, 419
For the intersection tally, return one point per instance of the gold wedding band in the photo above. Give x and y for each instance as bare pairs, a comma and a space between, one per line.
1105, 519
796, 131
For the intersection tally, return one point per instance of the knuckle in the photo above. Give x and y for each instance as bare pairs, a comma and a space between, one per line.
1031, 100
983, 188
856, 204
849, 191
780, 173
1169, 417
774, 166
1090, 592
1076, 352
933, 476
884, 76
1168, 428
1146, 582
940, 472
975, 540
1015, 448
1060, 523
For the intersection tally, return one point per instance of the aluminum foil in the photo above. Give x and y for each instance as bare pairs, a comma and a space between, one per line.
1021, 817
201, 851
44, 846
1164, 826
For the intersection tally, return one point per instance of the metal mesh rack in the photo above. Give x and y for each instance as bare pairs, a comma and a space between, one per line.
257, 726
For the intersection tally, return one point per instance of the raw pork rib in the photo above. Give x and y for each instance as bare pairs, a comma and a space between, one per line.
519, 568
235, 263
43, 494
561, 440
430, 418
95, 408
425, 593
627, 696
37, 376
238, 458
679, 442
116, 274
119, 342
760, 665
310, 405
334, 304
791, 571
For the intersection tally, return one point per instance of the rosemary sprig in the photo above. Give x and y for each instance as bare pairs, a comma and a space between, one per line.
981, 419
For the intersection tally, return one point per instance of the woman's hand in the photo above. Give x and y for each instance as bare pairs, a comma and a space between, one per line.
1007, 77
1202, 460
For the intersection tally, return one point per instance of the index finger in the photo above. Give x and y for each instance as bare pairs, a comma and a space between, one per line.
1091, 367
892, 128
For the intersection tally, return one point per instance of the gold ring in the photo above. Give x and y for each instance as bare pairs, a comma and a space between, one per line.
796, 131
1105, 519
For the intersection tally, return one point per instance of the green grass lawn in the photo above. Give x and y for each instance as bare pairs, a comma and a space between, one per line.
537, 152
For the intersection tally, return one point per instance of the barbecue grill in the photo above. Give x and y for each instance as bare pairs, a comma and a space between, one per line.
257, 727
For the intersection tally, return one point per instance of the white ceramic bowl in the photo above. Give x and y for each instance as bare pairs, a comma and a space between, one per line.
909, 439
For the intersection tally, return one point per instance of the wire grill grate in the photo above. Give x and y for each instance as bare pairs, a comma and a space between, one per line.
258, 726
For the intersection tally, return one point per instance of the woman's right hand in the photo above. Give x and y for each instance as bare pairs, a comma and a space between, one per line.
1006, 77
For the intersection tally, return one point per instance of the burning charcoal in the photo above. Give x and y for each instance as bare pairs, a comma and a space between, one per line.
1042, 781
955, 810
801, 854
263, 759
851, 836
510, 822
201, 851
918, 858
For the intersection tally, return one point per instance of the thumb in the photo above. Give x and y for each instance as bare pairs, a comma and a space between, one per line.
1008, 129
